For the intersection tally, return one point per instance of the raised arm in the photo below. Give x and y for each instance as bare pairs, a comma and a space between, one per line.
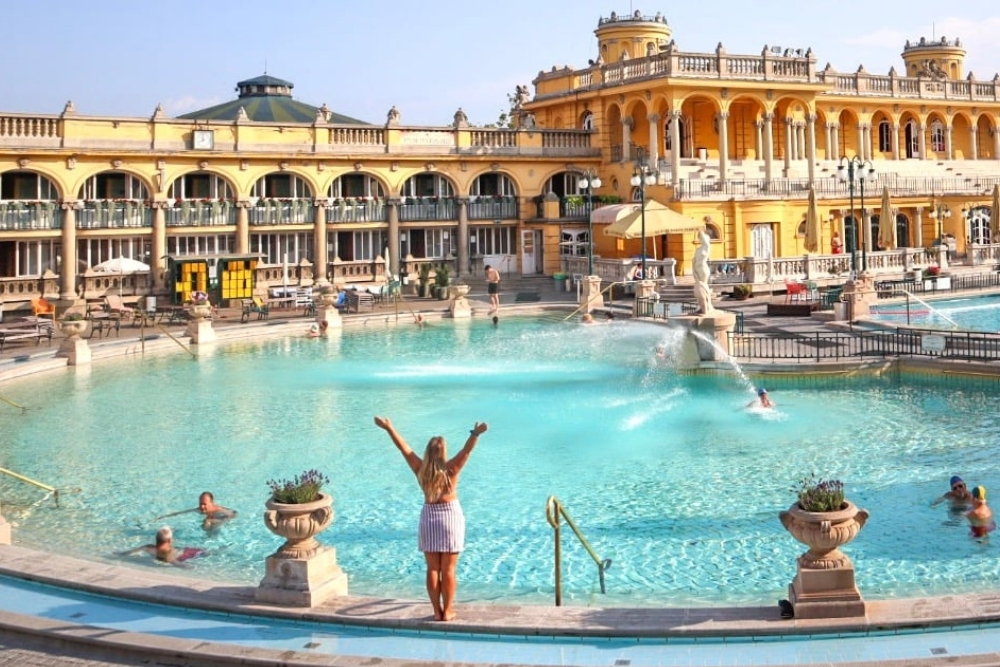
411, 457
457, 462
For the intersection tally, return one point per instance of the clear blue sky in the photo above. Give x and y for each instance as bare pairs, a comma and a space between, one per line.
122, 57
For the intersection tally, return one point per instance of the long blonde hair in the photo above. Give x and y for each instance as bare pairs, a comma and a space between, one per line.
433, 474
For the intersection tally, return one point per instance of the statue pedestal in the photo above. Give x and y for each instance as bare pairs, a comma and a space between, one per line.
590, 294
302, 582
859, 294
460, 308
5, 535
201, 331
330, 315
76, 351
712, 343
826, 594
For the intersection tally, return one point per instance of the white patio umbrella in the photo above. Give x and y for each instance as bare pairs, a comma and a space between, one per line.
122, 266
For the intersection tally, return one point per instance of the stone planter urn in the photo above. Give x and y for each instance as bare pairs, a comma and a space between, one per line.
824, 585
456, 291
299, 524
302, 572
72, 328
199, 311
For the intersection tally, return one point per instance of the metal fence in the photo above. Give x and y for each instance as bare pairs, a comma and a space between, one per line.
836, 346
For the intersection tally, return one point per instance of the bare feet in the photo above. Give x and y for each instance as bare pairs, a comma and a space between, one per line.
449, 616
437, 615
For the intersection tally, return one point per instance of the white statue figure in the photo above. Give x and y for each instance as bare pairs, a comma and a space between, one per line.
701, 272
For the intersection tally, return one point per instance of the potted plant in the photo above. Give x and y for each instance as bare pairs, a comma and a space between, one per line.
298, 510
73, 324
743, 291
442, 278
824, 520
423, 279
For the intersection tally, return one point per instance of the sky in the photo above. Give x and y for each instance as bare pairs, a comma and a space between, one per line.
428, 58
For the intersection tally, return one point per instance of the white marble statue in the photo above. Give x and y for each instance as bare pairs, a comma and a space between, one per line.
701, 272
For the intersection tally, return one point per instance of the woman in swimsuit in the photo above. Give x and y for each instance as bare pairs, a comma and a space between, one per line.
980, 516
164, 550
441, 534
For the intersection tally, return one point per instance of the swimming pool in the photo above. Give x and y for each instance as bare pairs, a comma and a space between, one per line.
666, 474
978, 313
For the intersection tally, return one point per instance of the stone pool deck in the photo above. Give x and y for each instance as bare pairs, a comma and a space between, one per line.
36, 642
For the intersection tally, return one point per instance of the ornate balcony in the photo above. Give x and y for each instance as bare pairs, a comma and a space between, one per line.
282, 212
113, 214
418, 209
356, 209
493, 207
25, 215
194, 213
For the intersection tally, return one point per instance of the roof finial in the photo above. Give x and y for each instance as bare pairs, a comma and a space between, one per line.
265, 66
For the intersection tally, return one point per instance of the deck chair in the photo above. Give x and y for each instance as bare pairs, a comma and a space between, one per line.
262, 309
794, 291
40, 307
114, 305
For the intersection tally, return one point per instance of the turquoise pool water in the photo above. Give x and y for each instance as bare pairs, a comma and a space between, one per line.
981, 313
667, 474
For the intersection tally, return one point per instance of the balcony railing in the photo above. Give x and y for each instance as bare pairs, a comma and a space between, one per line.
356, 210
830, 188
283, 212
493, 208
114, 215
16, 215
428, 208
201, 214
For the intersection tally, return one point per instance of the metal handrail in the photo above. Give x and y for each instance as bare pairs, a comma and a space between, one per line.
54, 491
553, 510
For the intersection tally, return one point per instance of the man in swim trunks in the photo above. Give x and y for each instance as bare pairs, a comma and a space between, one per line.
493, 287
980, 516
959, 496
215, 515
164, 550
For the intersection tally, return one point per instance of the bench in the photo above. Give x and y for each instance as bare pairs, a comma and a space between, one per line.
14, 335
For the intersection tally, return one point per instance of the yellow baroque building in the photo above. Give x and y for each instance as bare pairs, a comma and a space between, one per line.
734, 142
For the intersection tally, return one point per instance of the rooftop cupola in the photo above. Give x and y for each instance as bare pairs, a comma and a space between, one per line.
631, 36
935, 59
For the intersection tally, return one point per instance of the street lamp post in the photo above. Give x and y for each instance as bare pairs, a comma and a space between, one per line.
641, 177
588, 182
851, 169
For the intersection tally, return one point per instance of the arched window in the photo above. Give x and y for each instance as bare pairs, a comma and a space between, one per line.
356, 185
884, 136
114, 185
713, 231
200, 185
937, 136
285, 186
588, 121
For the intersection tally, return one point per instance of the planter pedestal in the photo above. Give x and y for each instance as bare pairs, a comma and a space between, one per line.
201, 331
459, 307
330, 315
302, 572
824, 585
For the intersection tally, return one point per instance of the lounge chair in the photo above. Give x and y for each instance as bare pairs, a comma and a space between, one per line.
262, 309
114, 305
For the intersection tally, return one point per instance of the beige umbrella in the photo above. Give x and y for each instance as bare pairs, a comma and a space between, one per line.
995, 215
886, 223
812, 223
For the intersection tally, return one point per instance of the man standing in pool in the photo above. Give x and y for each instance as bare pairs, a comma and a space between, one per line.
215, 515
493, 287
959, 495
441, 535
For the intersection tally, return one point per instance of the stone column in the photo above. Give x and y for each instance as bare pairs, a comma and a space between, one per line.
392, 214
836, 141
319, 242
860, 295
675, 148
829, 141
654, 139
895, 142
918, 221
242, 227
463, 238
590, 295
723, 117
974, 142
788, 146
922, 142
627, 139
948, 155
800, 141
768, 147
860, 148
811, 145
759, 139
67, 270
157, 263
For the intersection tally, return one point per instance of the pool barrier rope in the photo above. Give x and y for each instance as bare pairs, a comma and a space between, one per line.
54, 492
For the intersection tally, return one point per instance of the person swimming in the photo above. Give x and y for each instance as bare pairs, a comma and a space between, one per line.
163, 550
980, 516
762, 400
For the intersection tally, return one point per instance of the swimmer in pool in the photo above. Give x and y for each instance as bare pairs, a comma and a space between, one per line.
762, 400
164, 550
215, 515
980, 516
959, 496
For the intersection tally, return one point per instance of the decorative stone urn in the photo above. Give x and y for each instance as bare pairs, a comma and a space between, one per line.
458, 305
302, 572
199, 311
824, 585
457, 291
299, 524
73, 328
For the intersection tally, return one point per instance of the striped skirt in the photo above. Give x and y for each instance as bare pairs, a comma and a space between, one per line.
442, 528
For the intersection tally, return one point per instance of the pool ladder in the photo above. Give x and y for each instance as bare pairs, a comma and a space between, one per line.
553, 511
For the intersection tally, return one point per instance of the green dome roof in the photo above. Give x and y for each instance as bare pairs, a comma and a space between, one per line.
269, 99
